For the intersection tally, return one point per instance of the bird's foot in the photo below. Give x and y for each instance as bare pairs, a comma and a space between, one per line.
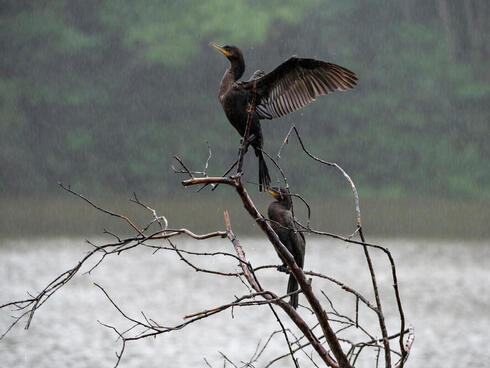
250, 139
242, 145
283, 268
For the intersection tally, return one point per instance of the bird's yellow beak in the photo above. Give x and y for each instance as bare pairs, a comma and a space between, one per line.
272, 192
223, 51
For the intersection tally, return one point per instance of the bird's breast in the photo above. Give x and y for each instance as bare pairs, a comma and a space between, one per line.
234, 103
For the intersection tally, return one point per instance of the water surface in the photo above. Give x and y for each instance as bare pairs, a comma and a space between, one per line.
444, 286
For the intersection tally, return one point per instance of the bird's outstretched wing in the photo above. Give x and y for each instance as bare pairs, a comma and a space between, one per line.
256, 75
296, 83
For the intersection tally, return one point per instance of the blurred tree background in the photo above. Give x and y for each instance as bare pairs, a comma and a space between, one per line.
101, 94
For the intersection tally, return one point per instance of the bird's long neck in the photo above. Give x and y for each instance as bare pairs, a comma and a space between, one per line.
285, 202
232, 74
237, 67
226, 83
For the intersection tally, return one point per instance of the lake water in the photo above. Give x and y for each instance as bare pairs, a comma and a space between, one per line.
445, 287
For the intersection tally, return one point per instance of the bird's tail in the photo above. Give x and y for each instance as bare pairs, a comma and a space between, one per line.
293, 286
264, 178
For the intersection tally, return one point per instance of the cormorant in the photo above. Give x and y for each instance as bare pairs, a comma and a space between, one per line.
282, 222
289, 87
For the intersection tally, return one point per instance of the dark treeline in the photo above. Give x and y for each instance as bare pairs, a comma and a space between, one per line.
101, 94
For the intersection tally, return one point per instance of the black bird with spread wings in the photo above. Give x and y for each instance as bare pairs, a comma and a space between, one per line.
291, 86
282, 222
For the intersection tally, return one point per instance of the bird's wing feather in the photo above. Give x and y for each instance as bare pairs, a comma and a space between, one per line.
256, 75
298, 239
295, 239
296, 83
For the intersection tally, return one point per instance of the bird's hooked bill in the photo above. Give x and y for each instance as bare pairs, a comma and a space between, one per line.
219, 48
272, 192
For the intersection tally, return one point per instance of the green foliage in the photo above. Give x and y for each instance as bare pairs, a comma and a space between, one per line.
172, 33
102, 94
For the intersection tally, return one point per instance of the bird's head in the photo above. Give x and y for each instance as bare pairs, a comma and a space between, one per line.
232, 53
280, 194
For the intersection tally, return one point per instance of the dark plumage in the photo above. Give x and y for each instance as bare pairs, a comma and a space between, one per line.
283, 224
291, 86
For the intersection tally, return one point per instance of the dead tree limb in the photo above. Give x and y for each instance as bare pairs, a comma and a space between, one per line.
295, 270
366, 252
331, 322
285, 306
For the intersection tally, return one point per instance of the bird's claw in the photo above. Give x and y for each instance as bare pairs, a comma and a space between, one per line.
283, 268
249, 140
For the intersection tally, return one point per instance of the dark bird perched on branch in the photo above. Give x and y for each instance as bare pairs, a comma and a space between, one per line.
291, 86
282, 222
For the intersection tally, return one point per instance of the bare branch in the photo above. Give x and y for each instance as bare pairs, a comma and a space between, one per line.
332, 322
285, 306
244, 145
68, 189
